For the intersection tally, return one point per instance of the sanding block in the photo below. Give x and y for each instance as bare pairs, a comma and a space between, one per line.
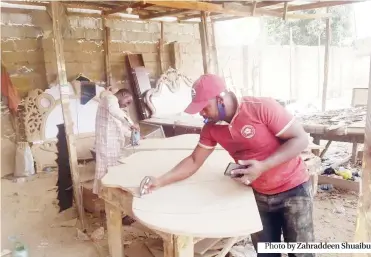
143, 183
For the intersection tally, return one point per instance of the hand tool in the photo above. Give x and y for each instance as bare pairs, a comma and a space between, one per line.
144, 183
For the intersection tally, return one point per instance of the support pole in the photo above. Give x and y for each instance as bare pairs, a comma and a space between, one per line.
106, 44
363, 227
214, 50
56, 7
204, 42
326, 65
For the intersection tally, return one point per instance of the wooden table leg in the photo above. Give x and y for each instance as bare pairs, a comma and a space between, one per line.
353, 159
317, 141
114, 226
183, 246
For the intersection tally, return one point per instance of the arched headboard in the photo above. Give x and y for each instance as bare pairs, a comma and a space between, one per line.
44, 113
171, 95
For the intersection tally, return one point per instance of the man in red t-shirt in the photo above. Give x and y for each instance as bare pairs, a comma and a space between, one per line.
260, 133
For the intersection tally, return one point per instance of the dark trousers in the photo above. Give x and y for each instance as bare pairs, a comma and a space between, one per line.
290, 212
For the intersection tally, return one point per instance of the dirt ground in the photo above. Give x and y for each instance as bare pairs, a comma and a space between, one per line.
30, 212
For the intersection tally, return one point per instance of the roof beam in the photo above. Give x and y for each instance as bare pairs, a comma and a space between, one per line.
238, 10
274, 13
267, 3
124, 7
315, 5
162, 14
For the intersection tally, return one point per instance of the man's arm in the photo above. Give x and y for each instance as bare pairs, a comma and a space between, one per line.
192, 163
295, 141
115, 111
284, 125
186, 168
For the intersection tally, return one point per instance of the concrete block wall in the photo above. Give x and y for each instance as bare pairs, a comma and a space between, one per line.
22, 51
27, 47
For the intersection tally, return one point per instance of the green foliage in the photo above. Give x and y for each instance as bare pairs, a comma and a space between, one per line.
307, 31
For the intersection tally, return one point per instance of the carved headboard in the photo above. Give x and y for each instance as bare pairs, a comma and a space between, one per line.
171, 95
43, 111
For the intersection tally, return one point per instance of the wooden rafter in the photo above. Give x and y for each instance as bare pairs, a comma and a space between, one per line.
314, 5
267, 3
122, 8
163, 14
247, 10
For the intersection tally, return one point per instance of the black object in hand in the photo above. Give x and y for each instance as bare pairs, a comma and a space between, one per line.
233, 166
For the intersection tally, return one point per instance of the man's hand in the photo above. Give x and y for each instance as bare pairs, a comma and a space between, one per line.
253, 171
135, 127
153, 184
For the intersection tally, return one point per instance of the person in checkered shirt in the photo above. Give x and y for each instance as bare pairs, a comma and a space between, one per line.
112, 126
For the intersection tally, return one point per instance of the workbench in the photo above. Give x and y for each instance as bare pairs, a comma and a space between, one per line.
354, 133
119, 196
180, 212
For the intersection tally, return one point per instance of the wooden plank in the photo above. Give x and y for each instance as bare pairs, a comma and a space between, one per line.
161, 50
326, 64
264, 12
114, 225
56, 8
326, 148
363, 227
175, 55
205, 244
227, 246
285, 11
163, 14
315, 5
183, 246
339, 183
353, 159
267, 3
214, 50
106, 44
204, 42
123, 8
243, 11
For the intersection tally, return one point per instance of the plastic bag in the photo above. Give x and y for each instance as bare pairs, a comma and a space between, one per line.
24, 162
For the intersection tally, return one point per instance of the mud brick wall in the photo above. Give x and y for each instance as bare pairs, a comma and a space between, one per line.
28, 53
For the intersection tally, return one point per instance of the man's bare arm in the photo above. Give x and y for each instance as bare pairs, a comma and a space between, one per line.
186, 168
115, 111
296, 140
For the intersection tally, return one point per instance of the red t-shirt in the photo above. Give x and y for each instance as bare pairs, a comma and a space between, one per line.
253, 134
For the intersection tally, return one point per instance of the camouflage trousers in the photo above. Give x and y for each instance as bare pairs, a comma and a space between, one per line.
288, 213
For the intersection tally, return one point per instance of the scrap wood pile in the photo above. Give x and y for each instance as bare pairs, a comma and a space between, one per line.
340, 117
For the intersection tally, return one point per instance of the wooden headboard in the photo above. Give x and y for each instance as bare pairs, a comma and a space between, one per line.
44, 112
171, 95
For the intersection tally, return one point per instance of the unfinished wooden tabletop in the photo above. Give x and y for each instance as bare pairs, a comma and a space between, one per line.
208, 204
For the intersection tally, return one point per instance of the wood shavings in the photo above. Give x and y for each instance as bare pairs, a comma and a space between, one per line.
341, 117
97, 234
81, 235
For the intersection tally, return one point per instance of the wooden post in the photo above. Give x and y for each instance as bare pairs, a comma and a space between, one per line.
64, 91
204, 42
291, 94
363, 227
160, 50
183, 246
106, 43
326, 66
114, 226
214, 50
175, 55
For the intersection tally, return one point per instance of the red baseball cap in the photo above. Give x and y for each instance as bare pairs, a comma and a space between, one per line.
205, 88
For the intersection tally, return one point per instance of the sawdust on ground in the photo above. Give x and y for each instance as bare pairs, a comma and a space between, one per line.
30, 212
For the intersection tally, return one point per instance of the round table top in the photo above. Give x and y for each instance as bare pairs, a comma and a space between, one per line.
208, 204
